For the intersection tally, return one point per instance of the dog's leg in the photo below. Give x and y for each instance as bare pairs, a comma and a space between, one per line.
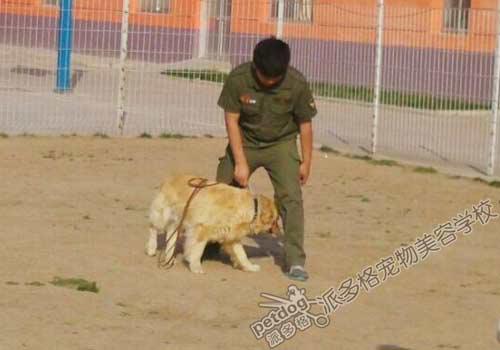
160, 215
239, 257
152, 242
193, 251
194, 258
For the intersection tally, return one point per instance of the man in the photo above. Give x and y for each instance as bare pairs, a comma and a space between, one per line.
267, 103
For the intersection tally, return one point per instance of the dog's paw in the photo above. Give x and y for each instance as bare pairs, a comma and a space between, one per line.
196, 269
251, 268
150, 251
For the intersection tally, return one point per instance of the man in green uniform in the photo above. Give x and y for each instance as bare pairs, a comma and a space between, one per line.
267, 103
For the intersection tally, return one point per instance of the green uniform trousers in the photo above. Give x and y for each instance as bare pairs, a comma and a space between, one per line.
281, 162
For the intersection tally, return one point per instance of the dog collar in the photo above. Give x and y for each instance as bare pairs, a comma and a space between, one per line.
255, 209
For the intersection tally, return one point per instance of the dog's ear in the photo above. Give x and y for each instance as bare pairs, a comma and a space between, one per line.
275, 228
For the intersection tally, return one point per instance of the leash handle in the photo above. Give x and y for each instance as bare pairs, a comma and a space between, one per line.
202, 183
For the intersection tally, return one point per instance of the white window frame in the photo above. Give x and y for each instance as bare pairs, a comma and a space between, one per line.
295, 10
50, 3
456, 16
155, 6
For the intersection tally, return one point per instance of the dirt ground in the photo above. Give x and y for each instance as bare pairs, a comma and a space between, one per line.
77, 207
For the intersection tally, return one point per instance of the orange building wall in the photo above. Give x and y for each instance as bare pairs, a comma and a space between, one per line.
184, 13
340, 20
413, 23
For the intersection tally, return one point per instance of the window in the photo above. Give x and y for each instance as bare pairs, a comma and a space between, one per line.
50, 2
456, 16
294, 10
155, 6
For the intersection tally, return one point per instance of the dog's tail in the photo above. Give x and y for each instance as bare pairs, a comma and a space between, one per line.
160, 217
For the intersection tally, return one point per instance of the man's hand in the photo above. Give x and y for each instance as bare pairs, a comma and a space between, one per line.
304, 171
241, 174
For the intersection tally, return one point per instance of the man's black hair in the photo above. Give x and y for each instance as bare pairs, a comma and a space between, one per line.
271, 57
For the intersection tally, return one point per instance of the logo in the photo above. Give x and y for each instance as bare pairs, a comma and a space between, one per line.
247, 99
292, 313
287, 316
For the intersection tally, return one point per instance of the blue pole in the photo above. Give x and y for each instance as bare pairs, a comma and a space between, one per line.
65, 46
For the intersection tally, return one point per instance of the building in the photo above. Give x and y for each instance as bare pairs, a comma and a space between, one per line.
447, 24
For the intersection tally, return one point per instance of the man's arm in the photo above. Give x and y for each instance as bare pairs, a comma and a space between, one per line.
241, 170
306, 143
305, 110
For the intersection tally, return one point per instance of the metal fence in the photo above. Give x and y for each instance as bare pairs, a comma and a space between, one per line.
416, 83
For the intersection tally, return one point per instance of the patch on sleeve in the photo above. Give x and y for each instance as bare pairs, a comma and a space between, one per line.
312, 104
247, 99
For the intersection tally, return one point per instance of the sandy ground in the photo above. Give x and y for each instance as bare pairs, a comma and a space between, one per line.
77, 207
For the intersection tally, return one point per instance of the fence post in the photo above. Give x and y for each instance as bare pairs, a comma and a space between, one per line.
121, 113
280, 19
494, 105
378, 73
203, 36
65, 46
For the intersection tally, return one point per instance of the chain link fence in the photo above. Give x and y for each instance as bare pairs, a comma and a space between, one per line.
414, 83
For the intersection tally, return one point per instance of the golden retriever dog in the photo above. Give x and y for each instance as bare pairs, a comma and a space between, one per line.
217, 213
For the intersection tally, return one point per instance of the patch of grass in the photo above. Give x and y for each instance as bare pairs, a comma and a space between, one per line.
365, 199
384, 162
355, 156
3, 135
327, 149
478, 179
392, 97
173, 136
208, 136
86, 217
145, 135
101, 135
495, 184
35, 283
381, 162
356, 93
79, 284
12, 283
197, 74
424, 170
25, 134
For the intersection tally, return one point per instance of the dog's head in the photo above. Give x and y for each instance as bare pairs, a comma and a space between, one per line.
267, 221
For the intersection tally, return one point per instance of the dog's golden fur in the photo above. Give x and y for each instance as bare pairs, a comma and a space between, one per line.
219, 213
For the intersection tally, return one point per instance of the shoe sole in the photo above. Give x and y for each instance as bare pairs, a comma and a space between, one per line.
297, 278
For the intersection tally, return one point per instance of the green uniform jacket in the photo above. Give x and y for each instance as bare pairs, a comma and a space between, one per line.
267, 116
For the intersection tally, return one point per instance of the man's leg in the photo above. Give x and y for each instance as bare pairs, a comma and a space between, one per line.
282, 163
225, 169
